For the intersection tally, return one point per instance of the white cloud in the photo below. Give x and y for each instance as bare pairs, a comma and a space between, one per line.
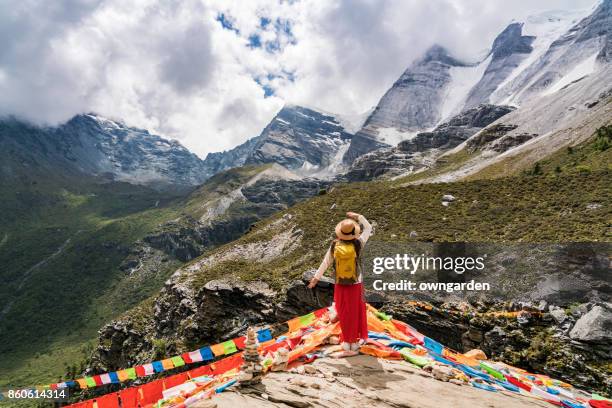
175, 68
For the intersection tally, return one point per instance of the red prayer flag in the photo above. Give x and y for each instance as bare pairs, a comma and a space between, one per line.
175, 380
140, 371
518, 383
227, 364
240, 342
200, 371
97, 379
108, 401
129, 397
187, 358
319, 313
150, 392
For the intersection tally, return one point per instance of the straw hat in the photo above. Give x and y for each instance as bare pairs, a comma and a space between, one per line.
348, 229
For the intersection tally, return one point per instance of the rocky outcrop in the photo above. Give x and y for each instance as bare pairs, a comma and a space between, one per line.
488, 135
594, 326
421, 150
537, 341
363, 381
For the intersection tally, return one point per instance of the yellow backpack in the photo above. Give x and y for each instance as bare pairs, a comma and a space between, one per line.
346, 254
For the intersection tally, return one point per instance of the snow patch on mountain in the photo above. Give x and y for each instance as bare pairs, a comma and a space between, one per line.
546, 27
462, 80
581, 70
393, 136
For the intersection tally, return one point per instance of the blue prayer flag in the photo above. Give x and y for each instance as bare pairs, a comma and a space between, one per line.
264, 335
114, 377
158, 366
206, 353
431, 344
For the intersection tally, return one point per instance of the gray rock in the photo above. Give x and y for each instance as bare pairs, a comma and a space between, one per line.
414, 154
595, 326
558, 314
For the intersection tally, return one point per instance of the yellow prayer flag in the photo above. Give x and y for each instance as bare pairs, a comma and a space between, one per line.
218, 349
122, 374
167, 364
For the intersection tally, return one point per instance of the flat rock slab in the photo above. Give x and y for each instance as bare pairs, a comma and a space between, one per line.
365, 381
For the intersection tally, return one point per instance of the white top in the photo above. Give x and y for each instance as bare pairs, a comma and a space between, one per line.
328, 260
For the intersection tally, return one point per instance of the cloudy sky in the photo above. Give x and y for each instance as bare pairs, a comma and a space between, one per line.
213, 73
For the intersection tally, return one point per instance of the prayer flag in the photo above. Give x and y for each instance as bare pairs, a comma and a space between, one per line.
431, 344
148, 369
105, 379
264, 335
294, 324
122, 374
167, 364
195, 356
229, 347
240, 342
218, 349
307, 320
131, 373
114, 377
140, 372
90, 382
206, 354
177, 361
158, 367
186, 358
97, 379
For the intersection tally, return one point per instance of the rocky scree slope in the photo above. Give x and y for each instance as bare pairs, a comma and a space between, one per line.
263, 272
421, 151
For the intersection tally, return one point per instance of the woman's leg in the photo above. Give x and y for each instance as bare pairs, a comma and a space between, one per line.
348, 299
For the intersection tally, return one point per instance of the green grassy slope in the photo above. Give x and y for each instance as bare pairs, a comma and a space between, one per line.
549, 208
78, 230
60, 258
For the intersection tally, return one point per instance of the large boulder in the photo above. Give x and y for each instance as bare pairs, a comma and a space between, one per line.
595, 326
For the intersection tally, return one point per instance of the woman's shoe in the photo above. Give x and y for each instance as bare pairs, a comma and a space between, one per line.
346, 346
355, 346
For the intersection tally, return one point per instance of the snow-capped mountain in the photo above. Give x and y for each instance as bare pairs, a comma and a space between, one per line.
413, 103
93, 145
552, 64
307, 141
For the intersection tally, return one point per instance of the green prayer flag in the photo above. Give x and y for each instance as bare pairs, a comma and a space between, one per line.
229, 347
178, 361
492, 371
90, 382
383, 316
131, 373
307, 319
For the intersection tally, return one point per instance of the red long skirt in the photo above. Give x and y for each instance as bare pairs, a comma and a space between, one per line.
351, 308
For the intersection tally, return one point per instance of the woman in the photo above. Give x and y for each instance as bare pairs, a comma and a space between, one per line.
348, 291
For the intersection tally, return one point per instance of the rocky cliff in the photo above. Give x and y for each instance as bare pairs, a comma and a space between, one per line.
421, 151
